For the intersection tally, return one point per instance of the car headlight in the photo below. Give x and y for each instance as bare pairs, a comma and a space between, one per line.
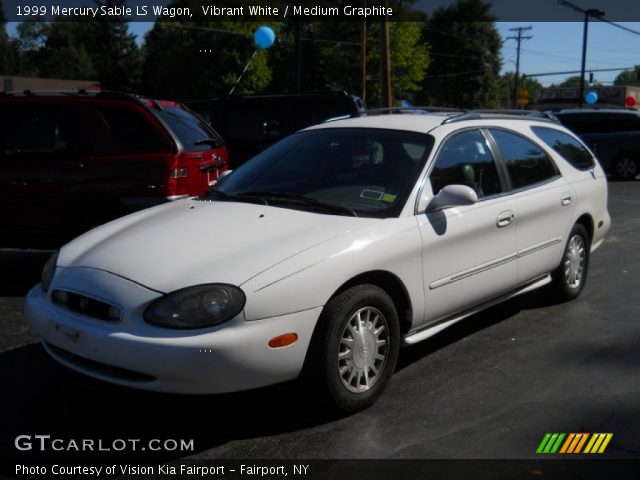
196, 307
47, 272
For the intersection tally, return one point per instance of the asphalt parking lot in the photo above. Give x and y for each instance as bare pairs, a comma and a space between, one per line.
490, 387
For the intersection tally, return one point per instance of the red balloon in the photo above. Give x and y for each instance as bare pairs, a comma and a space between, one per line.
630, 101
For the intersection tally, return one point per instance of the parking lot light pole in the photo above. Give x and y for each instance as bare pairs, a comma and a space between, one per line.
587, 13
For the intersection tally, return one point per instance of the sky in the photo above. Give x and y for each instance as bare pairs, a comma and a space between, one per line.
554, 46
557, 46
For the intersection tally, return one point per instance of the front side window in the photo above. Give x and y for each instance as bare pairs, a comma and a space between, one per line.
568, 147
465, 159
526, 163
369, 171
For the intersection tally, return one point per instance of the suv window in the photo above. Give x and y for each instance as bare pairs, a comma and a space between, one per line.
41, 129
124, 130
465, 159
527, 164
190, 129
568, 147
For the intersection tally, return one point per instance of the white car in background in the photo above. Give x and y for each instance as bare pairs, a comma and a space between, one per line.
326, 253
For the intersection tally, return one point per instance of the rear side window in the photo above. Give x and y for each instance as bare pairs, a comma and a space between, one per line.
526, 163
568, 147
194, 134
125, 130
42, 129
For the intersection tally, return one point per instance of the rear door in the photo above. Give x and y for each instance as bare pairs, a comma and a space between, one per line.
544, 203
131, 154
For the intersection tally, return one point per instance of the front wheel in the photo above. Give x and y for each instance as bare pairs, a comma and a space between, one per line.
355, 348
570, 277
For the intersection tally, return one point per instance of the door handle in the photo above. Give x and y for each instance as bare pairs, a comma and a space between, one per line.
566, 199
505, 218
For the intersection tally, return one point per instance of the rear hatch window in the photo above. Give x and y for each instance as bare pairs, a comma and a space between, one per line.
194, 134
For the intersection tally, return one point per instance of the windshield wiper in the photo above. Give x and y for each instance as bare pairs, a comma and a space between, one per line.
218, 195
301, 199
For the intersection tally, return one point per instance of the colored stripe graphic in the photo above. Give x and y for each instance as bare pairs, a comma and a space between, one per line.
550, 443
574, 443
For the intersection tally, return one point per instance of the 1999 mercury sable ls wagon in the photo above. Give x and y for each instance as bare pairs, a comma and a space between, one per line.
325, 253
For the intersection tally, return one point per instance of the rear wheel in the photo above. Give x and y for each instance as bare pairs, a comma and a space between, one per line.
355, 348
570, 277
625, 167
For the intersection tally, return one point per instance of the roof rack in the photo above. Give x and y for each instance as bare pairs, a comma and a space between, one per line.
501, 114
108, 94
33, 93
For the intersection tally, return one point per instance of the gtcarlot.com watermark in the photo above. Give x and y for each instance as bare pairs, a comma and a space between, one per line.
47, 443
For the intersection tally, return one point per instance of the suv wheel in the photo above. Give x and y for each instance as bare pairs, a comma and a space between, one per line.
355, 350
625, 167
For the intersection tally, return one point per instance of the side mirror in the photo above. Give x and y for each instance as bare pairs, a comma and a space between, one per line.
453, 196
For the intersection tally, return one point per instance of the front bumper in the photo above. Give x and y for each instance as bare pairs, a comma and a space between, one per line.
231, 357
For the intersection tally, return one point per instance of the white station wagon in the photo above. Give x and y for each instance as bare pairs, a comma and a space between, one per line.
324, 254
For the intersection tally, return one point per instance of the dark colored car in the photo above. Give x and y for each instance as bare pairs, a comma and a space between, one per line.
71, 161
612, 134
251, 123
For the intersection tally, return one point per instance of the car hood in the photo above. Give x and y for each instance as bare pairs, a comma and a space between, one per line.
190, 242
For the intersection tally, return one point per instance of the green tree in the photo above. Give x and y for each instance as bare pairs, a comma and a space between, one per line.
331, 56
574, 81
203, 58
63, 54
102, 49
465, 57
628, 77
32, 37
112, 50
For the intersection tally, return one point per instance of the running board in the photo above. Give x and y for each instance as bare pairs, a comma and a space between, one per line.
430, 330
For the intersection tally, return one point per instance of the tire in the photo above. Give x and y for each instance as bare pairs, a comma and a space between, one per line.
625, 167
349, 371
570, 277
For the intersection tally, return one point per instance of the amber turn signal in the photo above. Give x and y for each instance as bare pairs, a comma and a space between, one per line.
283, 340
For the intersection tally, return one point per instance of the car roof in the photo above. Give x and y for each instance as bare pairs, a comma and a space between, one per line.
402, 121
425, 121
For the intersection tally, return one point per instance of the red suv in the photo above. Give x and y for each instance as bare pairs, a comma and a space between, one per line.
71, 161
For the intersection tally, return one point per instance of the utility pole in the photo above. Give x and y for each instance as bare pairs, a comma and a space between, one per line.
587, 13
592, 12
519, 38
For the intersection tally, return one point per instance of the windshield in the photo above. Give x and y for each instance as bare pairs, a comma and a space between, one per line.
369, 172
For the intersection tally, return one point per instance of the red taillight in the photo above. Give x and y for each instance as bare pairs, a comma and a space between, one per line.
177, 184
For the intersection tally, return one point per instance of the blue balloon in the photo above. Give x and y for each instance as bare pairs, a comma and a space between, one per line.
591, 97
264, 37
